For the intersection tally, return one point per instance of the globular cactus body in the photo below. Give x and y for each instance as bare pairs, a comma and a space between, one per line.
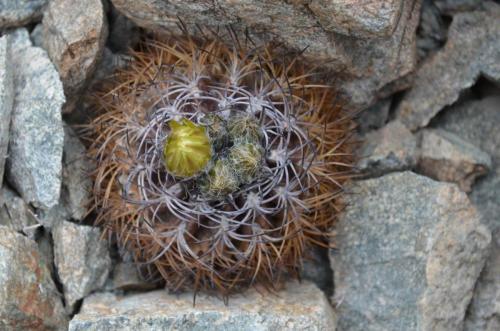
217, 166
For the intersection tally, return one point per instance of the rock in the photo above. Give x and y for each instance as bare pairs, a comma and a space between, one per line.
20, 12
374, 117
15, 214
74, 40
6, 99
77, 183
451, 7
36, 132
391, 148
358, 18
477, 122
446, 157
431, 32
124, 34
299, 307
82, 260
28, 298
471, 50
316, 268
484, 311
126, 277
409, 253
37, 35
384, 66
365, 64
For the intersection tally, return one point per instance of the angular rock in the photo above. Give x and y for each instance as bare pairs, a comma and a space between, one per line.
20, 12
366, 64
384, 66
28, 297
77, 183
299, 307
477, 122
81, 258
391, 148
446, 157
471, 50
36, 132
6, 99
409, 253
15, 214
126, 277
451, 7
74, 33
358, 18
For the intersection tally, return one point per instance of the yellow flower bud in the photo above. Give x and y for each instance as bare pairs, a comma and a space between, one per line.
187, 150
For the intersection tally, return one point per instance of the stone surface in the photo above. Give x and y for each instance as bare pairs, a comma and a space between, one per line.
81, 258
391, 148
477, 122
374, 117
28, 297
6, 99
14, 13
36, 132
126, 277
363, 18
16, 214
366, 64
74, 40
446, 157
409, 251
77, 183
471, 50
299, 307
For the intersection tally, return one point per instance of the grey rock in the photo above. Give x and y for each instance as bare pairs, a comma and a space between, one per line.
451, 7
77, 183
299, 307
6, 99
316, 268
471, 50
81, 258
391, 148
126, 277
16, 214
446, 157
37, 35
74, 40
374, 117
28, 297
431, 32
20, 12
36, 132
477, 122
366, 64
358, 18
410, 250
384, 66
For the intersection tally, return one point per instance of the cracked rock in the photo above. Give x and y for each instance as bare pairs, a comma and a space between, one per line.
16, 214
81, 258
300, 307
74, 40
446, 157
36, 132
28, 297
391, 148
409, 252
471, 50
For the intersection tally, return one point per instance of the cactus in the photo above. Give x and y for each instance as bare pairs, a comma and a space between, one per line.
217, 166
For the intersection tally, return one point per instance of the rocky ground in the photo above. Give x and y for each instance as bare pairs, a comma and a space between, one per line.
418, 247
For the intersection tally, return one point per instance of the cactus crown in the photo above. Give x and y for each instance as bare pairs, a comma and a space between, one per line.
217, 166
